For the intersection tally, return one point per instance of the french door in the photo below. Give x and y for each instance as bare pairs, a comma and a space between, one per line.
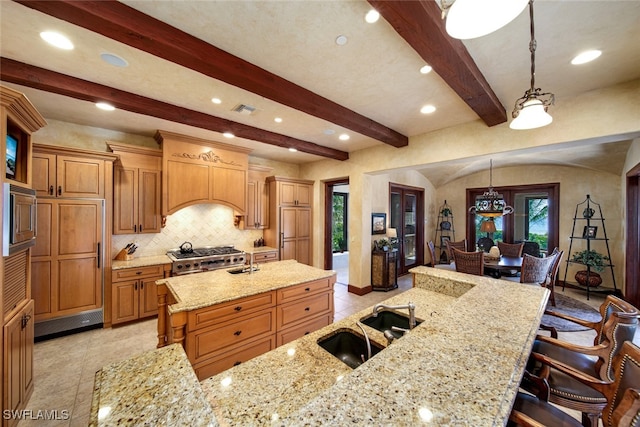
407, 218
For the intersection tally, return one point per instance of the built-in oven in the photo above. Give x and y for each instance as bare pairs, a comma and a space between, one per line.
19, 218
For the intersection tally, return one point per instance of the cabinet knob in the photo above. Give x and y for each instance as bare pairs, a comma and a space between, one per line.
237, 333
237, 363
307, 309
307, 289
238, 308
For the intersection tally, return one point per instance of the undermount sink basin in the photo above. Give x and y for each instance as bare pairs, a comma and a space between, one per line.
242, 270
349, 347
385, 320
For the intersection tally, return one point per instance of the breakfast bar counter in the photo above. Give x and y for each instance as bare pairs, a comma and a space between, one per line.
461, 366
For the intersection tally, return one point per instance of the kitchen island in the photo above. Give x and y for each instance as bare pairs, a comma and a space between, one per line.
461, 366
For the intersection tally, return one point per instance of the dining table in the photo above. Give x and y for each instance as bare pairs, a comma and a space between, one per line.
496, 267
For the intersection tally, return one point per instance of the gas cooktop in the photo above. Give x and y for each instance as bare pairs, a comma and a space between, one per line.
187, 259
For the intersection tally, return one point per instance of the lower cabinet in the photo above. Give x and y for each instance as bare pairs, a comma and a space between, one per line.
18, 360
262, 257
134, 293
224, 335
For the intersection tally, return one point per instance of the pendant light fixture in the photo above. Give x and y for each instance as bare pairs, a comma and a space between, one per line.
491, 204
530, 111
468, 19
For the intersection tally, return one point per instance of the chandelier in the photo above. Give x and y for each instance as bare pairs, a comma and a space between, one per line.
530, 111
491, 204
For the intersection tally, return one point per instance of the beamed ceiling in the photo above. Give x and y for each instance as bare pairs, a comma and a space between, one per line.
281, 58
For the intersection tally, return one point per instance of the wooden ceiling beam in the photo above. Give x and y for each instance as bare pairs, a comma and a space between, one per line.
420, 23
39, 78
127, 25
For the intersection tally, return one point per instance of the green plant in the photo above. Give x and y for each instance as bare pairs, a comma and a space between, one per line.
445, 212
380, 244
593, 259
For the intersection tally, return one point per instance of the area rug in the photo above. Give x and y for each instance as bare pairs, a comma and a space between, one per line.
571, 307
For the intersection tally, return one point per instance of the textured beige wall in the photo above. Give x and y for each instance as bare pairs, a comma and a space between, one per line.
575, 184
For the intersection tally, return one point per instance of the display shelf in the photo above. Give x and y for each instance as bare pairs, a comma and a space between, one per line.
444, 231
591, 221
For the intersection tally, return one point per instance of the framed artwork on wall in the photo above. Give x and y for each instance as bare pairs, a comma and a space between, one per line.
378, 223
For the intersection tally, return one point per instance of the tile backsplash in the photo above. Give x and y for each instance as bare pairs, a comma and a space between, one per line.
202, 225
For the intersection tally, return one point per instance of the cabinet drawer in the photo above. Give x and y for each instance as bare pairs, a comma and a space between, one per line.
132, 273
233, 358
295, 312
305, 328
231, 310
206, 343
265, 257
294, 292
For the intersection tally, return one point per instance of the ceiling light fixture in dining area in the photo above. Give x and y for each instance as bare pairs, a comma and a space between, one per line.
490, 204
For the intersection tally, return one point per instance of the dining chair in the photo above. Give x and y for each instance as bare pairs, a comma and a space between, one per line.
622, 395
553, 275
469, 262
510, 249
461, 245
531, 248
536, 270
596, 361
432, 253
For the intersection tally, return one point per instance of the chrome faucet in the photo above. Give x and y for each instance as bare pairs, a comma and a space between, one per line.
410, 306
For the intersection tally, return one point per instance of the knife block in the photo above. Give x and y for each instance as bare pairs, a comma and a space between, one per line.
124, 256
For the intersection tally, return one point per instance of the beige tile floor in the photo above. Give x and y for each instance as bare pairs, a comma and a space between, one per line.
65, 367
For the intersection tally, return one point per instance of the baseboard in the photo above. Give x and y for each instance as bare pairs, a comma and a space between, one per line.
359, 291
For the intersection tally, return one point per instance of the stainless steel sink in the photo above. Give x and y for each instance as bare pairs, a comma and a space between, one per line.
386, 320
242, 270
349, 347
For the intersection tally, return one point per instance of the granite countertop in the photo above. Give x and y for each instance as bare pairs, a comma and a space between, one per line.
193, 291
157, 387
462, 366
258, 249
145, 261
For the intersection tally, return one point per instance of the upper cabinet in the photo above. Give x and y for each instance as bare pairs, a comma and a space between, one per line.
69, 173
257, 217
201, 171
136, 189
293, 193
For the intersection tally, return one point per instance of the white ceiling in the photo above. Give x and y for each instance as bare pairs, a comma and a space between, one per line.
375, 73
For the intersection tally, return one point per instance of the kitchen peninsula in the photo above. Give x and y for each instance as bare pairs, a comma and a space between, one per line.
461, 366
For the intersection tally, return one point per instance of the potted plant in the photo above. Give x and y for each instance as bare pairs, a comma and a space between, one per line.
381, 245
596, 262
445, 212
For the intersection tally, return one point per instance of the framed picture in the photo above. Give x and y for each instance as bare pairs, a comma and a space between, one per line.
378, 223
589, 232
443, 241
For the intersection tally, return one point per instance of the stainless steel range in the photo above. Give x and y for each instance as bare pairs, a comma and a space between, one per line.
188, 259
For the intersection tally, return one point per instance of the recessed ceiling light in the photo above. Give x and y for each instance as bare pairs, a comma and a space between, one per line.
228, 135
57, 40
372, 16
341, 40
293, 150
426, 69
278, 120
216, 100
104, 106
343, 137
114, 60
427, 109
585, 57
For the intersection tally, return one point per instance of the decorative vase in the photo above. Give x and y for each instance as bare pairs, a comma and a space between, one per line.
594, 278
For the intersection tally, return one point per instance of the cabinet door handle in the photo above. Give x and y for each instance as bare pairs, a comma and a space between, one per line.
307, 289
307, 309
237, 363
25, 320
238, 308
237, 333
282, 240
140, 228
51, 190
142, 286
98, 254
135, 286
135, 228
59, 190
138, 272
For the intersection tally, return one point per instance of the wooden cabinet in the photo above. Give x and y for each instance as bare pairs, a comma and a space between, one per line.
303, 309
60, 175
291, 227
223, 335
257, 217
136, 190
199, 171
384, 270
67, 257
262, 257
18, 360
134, 292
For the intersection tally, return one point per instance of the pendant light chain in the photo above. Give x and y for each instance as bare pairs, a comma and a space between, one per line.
532, 47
